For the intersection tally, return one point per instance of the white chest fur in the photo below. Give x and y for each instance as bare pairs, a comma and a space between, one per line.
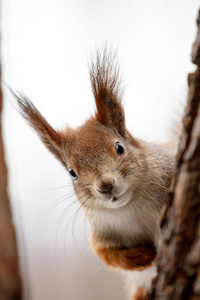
126, 226
138, 279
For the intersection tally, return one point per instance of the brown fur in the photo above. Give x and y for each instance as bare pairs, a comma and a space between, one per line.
141, 294
122, 195
106, 87
138, 258
50, 137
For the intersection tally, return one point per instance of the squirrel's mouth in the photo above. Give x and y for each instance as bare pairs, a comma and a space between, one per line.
114, 199
121, 199
117, 198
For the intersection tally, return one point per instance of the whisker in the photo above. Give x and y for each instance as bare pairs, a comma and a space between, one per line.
57, 202
63, 214
66, 196
90, 208
60, 220
74, 216
56, 188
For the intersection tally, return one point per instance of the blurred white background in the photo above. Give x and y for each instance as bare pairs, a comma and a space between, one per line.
46, 47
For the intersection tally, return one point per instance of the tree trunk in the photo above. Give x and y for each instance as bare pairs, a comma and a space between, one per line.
10, 282
179, 253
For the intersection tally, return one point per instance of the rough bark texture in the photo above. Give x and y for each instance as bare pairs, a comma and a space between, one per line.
10, 282
179, 254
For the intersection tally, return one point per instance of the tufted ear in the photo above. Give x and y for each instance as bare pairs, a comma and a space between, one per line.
51, 138
106, 87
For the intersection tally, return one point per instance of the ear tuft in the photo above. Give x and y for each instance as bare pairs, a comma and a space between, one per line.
106, 86
50, 137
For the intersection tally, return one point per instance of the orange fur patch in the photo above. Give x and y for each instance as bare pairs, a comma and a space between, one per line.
138, 258
141, 294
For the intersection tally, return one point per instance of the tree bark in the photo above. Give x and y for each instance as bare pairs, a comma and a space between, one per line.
179, 253
10, 282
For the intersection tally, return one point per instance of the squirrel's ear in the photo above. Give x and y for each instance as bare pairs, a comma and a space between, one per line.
106, 87
50, 137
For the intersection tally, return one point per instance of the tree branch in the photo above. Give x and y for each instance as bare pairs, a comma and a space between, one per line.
179, 254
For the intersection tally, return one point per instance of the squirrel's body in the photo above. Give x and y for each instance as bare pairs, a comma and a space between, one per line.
138, 221
121, 182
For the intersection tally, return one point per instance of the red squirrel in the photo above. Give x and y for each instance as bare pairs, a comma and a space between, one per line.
121, 182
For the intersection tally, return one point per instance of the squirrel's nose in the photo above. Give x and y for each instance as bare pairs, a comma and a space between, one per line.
106, 186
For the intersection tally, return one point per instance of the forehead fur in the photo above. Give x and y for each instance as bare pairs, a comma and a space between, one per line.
90, 144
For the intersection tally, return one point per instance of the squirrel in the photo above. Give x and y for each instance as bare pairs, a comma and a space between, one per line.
120, 181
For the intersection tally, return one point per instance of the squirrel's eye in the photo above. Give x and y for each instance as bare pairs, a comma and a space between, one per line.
73, 174
120, 149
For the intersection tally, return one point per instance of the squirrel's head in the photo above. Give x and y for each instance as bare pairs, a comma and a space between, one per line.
102, 158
